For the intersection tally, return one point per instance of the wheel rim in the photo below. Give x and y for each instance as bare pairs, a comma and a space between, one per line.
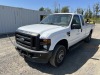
60, 56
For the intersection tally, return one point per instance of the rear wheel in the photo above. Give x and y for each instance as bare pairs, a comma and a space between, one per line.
58, 56
88, 39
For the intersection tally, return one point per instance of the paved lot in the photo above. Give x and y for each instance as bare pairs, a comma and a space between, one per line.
85, 60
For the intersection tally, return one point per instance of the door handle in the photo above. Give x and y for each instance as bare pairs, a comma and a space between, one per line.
68, 33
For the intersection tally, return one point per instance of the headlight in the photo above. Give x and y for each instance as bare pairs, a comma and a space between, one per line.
45, 43
45, 46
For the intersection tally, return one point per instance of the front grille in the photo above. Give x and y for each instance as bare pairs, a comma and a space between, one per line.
27, 41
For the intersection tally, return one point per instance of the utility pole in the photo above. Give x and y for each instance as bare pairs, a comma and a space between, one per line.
59, 8
56, 7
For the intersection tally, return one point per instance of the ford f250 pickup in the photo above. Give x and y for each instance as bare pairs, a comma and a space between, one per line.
50, 40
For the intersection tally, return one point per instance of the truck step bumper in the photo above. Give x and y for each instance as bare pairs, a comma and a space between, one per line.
39, 57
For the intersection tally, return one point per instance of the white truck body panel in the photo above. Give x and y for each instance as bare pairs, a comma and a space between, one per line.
57, 33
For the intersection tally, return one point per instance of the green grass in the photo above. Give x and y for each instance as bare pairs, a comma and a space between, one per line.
97, 20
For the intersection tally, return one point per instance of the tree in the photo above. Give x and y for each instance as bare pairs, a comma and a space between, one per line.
41, 9
80, 11
56, 10
88, 13
96, 9
65, 9
48, 10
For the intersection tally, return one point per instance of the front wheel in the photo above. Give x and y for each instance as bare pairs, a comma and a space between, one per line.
58, 56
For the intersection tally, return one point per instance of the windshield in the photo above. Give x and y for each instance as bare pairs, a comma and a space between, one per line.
57, 19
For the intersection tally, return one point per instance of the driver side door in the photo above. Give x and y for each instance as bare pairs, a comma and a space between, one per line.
75, 33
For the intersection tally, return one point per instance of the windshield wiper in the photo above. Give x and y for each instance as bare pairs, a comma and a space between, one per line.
48, 23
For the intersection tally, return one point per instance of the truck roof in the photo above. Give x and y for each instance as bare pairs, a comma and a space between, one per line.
68, 13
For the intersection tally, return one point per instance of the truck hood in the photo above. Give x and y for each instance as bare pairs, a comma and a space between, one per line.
38, 28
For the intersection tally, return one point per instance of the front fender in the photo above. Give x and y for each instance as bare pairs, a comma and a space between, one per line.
55, 39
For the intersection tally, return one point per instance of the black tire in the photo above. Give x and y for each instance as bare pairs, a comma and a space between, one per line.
58, 56
88, 39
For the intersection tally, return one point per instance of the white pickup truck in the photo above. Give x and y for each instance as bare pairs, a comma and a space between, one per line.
50, 40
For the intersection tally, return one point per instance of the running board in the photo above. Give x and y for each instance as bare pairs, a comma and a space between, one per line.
75, 46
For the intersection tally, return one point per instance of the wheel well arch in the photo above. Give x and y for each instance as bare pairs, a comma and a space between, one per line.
63, 42
91, 31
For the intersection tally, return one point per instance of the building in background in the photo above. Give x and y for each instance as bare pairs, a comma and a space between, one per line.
12, 17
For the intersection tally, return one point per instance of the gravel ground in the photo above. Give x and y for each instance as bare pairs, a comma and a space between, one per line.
84, 60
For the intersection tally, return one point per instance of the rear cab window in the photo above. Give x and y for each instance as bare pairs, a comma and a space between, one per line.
82, 20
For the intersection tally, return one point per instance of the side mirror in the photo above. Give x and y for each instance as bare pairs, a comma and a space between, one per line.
76, 26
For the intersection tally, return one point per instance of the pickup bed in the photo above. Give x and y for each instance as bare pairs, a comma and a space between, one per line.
50, 40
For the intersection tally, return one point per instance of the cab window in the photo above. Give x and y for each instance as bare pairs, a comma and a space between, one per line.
76, 20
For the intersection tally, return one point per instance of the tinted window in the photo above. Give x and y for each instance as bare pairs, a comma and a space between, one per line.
82, 20
76, 20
